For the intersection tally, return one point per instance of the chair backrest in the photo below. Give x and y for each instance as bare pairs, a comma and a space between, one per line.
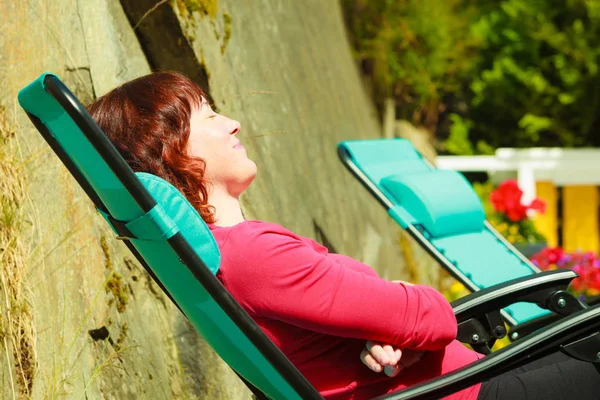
166, 234
440, 209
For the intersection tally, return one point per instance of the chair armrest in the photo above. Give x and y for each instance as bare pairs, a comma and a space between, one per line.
521, 330
532, 289
478, 314
580, 329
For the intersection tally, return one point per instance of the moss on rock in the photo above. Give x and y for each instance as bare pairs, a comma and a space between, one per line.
115, 285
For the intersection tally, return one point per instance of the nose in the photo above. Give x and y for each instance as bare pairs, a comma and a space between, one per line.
235, 127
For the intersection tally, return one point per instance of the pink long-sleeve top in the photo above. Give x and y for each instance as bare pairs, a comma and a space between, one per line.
320, 308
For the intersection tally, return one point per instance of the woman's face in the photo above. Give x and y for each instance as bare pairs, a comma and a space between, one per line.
214, 138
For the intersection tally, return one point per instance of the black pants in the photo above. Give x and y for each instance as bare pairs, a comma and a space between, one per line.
554, 377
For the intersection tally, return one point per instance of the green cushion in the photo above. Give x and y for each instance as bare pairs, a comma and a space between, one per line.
487, 262
442, 201
185, 217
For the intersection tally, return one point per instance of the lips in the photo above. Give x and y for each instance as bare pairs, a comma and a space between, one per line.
238, 145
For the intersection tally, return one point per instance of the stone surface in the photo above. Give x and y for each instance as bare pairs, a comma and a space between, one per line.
419, 137
91, 46
283, 68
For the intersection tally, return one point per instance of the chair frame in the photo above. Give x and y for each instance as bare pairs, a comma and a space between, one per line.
195, 264
518, 330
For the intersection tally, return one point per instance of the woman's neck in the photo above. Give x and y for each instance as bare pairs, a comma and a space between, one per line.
227, 208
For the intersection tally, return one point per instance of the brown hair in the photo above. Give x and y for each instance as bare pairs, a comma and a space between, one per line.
148, 121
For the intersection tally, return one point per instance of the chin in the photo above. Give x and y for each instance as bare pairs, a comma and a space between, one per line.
247, 174
251, 174
252, 167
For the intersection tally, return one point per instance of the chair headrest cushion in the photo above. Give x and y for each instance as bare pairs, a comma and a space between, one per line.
442, 201
184, 215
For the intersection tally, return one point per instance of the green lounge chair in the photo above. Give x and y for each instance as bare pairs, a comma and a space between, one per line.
172, 242
440, 209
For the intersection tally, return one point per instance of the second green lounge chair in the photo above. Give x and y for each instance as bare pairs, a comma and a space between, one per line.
440, 209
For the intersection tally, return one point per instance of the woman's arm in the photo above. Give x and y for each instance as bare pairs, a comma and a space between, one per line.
283, 278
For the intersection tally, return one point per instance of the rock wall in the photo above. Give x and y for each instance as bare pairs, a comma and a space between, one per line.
98, 327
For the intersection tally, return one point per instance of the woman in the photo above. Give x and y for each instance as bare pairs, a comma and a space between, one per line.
352, 334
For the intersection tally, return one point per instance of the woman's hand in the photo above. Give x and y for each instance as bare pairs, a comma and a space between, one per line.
381, 357
387, 358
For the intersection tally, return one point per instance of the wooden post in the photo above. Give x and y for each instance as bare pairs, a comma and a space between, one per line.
547, 223
580, 218
389, 118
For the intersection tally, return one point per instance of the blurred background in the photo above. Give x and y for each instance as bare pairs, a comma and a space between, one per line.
504, 91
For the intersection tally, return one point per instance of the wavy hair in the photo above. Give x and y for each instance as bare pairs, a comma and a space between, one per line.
148, 121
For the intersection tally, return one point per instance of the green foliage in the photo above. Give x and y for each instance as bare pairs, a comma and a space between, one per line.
485, 73
414, 51
458, 142
484, 190
537, 81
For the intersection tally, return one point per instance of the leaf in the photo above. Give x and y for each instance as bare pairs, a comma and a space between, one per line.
458, 141
534, 124
566, 98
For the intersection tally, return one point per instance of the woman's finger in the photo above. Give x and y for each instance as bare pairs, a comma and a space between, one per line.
377, 351
368, 359
398, 354
391, 353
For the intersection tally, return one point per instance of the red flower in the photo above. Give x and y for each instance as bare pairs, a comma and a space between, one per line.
554, 254
586, 265
549, 256
577, 284
517, 213
507, 199
507, 196
538, 205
